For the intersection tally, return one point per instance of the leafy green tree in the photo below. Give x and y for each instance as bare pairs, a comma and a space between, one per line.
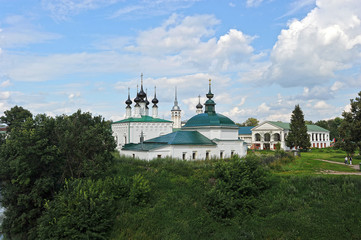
331, 125
251, 122
39, 155
86, 144
350, 128
15, 117
30, 166
298, 136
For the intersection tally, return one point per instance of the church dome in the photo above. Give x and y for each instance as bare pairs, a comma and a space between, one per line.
209, 119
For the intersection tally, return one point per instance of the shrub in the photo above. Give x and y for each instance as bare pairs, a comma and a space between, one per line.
84, 209
139, 191
238, 182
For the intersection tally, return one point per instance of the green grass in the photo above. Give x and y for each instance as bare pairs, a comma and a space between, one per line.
308, 163
299, 204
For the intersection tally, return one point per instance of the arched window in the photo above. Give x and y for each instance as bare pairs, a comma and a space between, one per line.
258, 137
267, 137
277, 137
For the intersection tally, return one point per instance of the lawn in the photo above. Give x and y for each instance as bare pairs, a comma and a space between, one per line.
308, 163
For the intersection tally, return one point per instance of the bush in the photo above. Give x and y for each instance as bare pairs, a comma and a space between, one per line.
140, 190
239, 182
84, 209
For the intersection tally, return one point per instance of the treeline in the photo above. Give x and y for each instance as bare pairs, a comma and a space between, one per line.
55, 175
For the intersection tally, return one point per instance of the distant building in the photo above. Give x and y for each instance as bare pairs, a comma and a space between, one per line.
267, 134
245, 133
206, 135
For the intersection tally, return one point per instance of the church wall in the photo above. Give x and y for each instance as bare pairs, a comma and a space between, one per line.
131, 132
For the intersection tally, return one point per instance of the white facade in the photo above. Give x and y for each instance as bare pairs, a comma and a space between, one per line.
267, 134
130, 132
223, 149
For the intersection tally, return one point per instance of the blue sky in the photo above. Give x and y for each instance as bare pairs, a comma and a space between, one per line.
263, 56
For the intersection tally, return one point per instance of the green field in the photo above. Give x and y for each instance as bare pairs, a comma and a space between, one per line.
298, 203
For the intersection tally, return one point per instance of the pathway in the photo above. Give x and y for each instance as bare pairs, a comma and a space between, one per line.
356, 167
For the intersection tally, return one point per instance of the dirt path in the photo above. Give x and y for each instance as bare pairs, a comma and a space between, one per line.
356, 167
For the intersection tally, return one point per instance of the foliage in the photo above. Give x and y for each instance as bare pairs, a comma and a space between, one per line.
30, 168
350, 128
331, 125
298, 137
251, 122
239, 182
140, 190
15, 117
84, 209
86, 143
39, 155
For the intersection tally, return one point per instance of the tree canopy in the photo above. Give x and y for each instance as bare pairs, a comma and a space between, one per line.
298, 136
39, 155
15, 117
350, 128
249, 122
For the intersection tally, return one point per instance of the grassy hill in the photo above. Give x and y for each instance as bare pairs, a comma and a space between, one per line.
213, 200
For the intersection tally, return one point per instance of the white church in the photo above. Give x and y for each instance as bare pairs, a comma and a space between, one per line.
206, 135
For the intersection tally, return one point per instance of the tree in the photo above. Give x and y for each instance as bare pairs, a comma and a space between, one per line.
331, 125
298, 136
37, 158
15, 117
350, 128
251, 122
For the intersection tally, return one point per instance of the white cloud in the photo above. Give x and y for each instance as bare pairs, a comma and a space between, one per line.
5, 83
62, 9
312, 50
4, 95
322, 105
263, 108
337, 85
152, 8
254, 3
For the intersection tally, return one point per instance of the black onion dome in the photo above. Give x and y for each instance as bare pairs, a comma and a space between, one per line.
137, 99
128, 101
155, 100
141, 93
199, 105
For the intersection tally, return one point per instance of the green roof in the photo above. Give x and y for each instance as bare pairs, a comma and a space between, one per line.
209, 119
142, 119
174, 138
311, 128
182, 138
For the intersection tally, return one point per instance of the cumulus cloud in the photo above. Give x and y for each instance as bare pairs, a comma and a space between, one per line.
181, 40
312, 50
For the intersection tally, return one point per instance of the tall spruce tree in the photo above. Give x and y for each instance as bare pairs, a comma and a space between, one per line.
298, 136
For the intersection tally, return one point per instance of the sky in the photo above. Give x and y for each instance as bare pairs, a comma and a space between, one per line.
263, 56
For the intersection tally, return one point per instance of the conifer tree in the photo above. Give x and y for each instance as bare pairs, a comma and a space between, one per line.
298, 136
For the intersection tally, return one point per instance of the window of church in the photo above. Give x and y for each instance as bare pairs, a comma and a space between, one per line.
207, 155
159, 156
221, 155
194, 155
232, 153
184, 156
